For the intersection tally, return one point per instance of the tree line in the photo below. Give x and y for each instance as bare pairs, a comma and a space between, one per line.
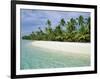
74, 30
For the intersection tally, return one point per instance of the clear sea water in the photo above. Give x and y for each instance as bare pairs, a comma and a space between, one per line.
38, 58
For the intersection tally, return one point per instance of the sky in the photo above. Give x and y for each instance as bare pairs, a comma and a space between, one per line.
31, 20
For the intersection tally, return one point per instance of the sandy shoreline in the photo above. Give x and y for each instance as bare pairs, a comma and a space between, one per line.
72, 47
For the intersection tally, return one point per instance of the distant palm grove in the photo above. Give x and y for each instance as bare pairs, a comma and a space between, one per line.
73, 30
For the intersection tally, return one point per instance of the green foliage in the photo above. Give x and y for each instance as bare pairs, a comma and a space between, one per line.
74, 30
62, 22
71, 25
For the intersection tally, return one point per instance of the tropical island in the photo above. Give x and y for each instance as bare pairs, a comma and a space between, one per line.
74, 30
55, 39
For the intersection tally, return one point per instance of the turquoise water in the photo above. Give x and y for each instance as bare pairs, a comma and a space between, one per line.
37, 58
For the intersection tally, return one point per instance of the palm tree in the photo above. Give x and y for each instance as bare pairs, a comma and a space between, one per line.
33, 35
80, 20
58, 30
48, 30
81, 24
48, 23
71, 25
62, 22
88, 23
40, 30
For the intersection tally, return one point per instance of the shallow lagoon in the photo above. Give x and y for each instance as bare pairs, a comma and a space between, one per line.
37, 58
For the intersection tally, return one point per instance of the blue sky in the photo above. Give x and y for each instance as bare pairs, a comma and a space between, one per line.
32, 19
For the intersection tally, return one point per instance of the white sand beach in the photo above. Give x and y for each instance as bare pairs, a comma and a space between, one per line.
71, 47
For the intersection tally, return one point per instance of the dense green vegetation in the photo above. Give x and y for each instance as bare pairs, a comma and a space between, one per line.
74, 30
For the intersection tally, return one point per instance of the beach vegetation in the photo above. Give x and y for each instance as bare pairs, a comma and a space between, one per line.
73, 30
